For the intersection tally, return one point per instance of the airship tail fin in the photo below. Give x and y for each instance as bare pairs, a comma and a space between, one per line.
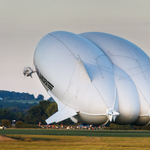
63, 112
61, 115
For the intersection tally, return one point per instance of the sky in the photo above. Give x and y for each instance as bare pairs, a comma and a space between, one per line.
24, 22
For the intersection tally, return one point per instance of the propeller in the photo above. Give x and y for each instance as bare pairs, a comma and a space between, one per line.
28, 71
112, 114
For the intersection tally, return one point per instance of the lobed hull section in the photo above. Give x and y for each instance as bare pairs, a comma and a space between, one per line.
99, 77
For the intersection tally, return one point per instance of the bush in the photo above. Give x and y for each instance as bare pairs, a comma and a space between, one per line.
146, 127
118, 127
28, 126
18, 124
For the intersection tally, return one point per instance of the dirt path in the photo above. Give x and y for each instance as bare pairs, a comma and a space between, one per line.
4, 138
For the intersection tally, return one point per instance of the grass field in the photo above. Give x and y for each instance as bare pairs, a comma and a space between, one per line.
96, 133
75, 140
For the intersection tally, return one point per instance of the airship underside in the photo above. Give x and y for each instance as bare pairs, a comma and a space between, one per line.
94, 77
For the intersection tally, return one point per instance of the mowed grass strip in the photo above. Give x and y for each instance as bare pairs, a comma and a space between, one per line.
57, 142
95, 133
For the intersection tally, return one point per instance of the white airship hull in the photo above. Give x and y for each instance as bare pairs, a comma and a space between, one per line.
92, 79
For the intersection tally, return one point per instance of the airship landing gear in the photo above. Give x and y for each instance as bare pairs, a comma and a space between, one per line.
28, 71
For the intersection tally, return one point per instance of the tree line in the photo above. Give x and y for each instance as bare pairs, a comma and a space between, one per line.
11, 95
16, 107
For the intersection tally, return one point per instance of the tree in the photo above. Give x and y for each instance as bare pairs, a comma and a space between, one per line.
6, 123
6, 114
51, 109
18, 124
40, 97
38, 113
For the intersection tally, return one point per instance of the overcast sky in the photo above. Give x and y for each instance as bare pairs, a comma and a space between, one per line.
24, 22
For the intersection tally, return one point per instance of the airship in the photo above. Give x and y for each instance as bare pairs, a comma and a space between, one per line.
94, 77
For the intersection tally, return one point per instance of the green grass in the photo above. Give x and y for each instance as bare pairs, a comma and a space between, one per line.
43, 139
95, 133
57, 142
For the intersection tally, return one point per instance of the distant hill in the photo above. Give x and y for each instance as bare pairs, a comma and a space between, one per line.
11, 95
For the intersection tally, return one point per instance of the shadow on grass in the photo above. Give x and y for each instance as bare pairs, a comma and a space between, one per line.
30, 139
